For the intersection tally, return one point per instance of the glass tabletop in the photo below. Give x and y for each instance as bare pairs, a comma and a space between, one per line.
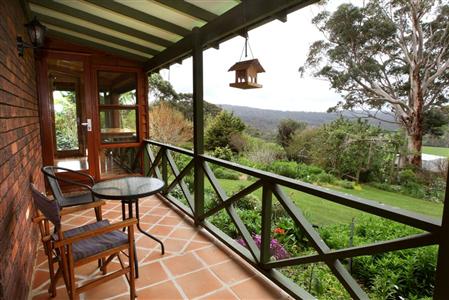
127, 188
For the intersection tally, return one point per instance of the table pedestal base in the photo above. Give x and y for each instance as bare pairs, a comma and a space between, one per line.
130, 215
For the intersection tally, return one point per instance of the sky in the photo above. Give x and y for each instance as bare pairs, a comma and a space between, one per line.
281, 49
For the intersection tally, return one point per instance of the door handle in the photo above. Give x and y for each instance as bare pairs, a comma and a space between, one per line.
88, 124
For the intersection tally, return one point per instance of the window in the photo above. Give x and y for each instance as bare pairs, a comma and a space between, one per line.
117, 96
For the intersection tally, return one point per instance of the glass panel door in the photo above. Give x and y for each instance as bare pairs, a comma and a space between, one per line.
69, 116
118, 122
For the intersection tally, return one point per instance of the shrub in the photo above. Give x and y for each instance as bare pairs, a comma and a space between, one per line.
325, 178
223, 153
276, 249
249, 202
223, 173
284, 168
346, 184
392, 275
407, 176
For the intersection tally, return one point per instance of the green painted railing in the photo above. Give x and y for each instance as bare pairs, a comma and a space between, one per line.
159, 158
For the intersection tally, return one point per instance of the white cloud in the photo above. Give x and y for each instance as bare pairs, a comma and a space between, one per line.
281, 48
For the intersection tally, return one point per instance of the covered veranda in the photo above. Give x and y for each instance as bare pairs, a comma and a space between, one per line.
98, 54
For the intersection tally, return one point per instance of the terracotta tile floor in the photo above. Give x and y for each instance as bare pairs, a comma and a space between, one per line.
195, 265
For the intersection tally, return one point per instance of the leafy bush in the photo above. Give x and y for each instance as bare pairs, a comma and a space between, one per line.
346, 184
249, 202
325, 178
223, 153
223, 173
393, 275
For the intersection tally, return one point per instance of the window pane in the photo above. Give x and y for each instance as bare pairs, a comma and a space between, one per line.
118, 125
119, 161
117, 88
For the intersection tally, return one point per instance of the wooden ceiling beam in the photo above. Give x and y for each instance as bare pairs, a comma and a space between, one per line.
76, 13
80, 41
140, 16
189, 9
245, 16
96, 34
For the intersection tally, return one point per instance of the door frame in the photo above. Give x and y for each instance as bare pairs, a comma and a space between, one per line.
141, 114
45, 107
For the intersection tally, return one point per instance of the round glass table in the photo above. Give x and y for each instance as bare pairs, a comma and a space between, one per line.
128, 190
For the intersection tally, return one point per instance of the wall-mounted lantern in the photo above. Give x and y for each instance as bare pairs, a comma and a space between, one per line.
36, 31
246, 71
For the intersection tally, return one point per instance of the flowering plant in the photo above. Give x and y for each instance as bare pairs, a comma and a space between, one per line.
276, 249
279, 230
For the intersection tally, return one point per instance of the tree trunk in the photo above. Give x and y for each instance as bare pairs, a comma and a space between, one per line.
415, 129
414, 148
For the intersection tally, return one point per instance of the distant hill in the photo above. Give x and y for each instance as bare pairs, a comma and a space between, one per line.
267, 120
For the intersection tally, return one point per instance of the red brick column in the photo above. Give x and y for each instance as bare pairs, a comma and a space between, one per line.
20, 155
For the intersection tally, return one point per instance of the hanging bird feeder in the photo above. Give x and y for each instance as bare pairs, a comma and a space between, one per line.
246, 71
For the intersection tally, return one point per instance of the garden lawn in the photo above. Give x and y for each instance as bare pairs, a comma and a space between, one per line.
441, 151
323, 212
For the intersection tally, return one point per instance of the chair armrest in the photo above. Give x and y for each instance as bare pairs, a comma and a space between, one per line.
88, 187
95, 232
91, 179
72, 209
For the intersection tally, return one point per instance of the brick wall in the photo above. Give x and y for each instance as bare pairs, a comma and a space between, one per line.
20, 155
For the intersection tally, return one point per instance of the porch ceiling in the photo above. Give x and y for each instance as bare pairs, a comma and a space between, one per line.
156, 32
137, 30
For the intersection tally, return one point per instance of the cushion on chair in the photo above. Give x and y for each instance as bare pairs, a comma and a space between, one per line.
75, 200
96, 244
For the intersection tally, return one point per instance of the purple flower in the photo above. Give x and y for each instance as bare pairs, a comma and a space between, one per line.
276, 249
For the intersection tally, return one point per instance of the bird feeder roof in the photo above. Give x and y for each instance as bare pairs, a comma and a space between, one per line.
246, 64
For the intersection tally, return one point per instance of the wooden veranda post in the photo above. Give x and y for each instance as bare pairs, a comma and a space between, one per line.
198, 124
442, 273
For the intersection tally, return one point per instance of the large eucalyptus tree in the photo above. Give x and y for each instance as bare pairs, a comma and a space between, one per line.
390, 55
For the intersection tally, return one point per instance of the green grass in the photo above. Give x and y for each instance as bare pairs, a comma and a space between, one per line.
322, 212
441, 151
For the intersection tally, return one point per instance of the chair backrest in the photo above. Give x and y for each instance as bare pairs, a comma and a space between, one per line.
50, 174
49, 208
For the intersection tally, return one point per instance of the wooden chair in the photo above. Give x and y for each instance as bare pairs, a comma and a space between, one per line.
53, 180
78, 246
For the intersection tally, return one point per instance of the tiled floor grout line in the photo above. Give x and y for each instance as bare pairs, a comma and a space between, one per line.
225, 286
158, 209
172, 278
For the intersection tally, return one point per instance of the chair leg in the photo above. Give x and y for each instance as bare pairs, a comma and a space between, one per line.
65, 271
98, 213
51, 270
99, 216
131, 262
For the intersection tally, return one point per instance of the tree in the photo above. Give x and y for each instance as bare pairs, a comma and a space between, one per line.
169, 125
389, 54
162, 91
222, 129
286, 129
353, 149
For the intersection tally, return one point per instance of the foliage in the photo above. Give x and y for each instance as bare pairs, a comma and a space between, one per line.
277, 251
221, 129
65, 121
168, 125
434, 120
354, 150
223, 153
286, 129
392, 275
302, 144
260, 151
223, 173
391, 55
162, 91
